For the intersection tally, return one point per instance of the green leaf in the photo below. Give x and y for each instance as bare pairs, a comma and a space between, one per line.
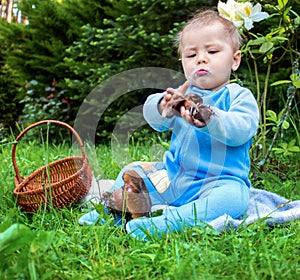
265, 47
15, 237
279, 39
272, 116
4, 225
150, 256
256, 42
294, 149
101, 210
295, 80
278, 150
292, 142
42, 242
297, 21
285, 125
282, 3
283, 145
280, 82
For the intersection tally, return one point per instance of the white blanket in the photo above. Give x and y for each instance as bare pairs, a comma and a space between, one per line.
271, 207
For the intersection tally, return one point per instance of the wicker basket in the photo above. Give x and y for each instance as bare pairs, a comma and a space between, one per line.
60, 183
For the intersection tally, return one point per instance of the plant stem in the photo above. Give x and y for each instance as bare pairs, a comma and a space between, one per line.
258, 95
264, 109
291, 95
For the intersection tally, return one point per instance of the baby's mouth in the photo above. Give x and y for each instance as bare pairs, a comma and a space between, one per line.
201, 72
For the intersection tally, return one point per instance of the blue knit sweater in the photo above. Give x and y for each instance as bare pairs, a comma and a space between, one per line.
219, 151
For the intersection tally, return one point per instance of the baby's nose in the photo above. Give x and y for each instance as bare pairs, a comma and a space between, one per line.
201, 58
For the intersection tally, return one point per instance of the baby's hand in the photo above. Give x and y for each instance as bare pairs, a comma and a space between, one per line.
192, 109
199, 115
166, 105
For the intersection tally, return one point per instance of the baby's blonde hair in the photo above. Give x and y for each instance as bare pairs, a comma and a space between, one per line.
206, 17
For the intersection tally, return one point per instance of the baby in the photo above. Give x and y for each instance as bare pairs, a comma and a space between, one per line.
204, 174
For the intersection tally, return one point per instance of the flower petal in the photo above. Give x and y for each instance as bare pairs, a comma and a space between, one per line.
257, 8
259, 16
238, 23
248, 23
224, 10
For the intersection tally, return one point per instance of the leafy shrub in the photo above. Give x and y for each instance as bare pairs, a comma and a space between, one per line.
42, 103
135, 34
9, 100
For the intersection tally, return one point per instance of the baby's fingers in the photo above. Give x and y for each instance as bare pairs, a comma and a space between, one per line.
183, 88
167, 98
165, 107
185, 113
180, 90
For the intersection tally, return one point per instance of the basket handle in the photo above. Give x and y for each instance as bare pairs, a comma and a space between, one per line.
18, 176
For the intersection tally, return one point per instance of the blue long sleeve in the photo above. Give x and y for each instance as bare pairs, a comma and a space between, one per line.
233, 125
217, 151
239, 123
152, 115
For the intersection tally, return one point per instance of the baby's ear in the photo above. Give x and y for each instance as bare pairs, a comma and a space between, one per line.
236, 60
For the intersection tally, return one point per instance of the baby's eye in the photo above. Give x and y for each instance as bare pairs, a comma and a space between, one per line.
212, 51
190, 55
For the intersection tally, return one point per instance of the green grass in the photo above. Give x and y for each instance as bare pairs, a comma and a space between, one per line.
51, 245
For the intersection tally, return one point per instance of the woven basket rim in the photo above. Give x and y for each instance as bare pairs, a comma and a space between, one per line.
19, 137
49, 184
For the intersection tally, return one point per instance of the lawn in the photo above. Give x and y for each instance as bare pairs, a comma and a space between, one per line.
52, 245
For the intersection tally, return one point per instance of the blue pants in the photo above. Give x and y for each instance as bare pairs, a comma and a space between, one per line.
215, 199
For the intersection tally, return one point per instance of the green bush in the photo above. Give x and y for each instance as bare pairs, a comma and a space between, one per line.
42, 103
9, 100
135, 34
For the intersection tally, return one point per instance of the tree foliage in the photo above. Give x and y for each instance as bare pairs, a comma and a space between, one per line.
139, 33
38, 48
9, 99
135, 34
80, 44
35, 51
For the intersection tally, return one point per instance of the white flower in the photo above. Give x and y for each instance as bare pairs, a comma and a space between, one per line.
241, 14
228, 11
251, 14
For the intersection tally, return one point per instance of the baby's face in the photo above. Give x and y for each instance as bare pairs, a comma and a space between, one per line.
208, 56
